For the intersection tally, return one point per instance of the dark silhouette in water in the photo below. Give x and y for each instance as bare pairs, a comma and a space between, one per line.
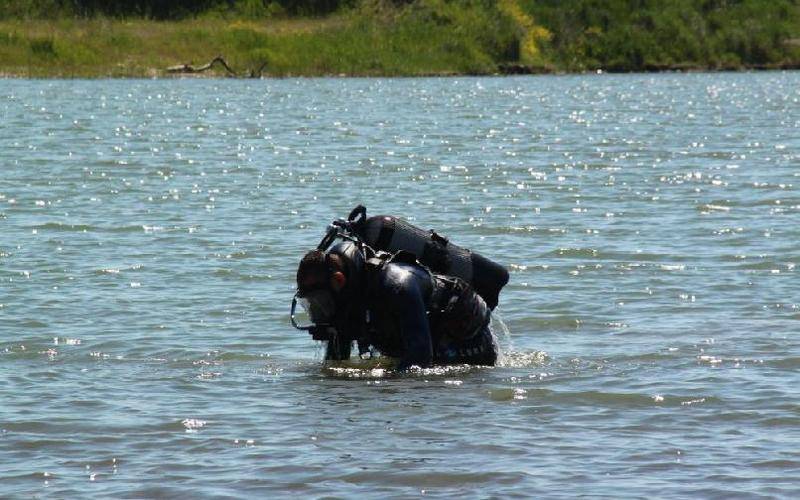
392, 302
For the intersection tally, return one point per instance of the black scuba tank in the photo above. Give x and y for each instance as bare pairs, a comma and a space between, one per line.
391, 234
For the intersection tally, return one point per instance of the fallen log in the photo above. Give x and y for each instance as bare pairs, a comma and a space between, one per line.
188, 68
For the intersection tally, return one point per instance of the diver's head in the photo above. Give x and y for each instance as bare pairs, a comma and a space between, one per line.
318, 270
320, 278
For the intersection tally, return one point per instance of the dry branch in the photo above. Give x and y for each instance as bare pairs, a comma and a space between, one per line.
187, 68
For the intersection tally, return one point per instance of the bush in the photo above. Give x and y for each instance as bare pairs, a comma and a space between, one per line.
43, 47
631, 35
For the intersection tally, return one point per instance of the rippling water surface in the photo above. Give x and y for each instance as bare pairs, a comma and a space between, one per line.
150, 231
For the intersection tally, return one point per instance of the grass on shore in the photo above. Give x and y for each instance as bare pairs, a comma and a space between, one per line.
420, 37
432, 37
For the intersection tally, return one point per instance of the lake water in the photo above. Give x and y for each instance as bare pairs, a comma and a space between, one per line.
150, 232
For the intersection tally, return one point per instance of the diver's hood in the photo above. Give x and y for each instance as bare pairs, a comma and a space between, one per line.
354, 260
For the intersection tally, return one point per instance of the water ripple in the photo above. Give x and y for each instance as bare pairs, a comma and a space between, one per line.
151, 232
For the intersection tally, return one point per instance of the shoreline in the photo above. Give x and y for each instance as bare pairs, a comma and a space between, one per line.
424, 39
163, 75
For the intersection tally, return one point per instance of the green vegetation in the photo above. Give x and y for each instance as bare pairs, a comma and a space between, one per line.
91, 38
631, 35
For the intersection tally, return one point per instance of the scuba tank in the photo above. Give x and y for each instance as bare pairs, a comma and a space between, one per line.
391, 234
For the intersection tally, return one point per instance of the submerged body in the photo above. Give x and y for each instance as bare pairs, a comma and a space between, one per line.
394, 304
419, 317
409, 293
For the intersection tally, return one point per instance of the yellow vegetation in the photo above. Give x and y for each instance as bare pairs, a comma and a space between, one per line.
531, 35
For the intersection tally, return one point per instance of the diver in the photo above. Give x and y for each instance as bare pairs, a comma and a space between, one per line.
394, 304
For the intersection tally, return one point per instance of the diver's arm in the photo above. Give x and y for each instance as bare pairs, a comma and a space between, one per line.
408, 297
416, 333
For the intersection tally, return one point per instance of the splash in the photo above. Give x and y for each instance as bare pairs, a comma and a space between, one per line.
372, 368
507, 355
378, 366
519, 359
382, 367
500, 332
193, 424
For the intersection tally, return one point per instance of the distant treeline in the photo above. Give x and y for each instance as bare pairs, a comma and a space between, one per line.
668, 34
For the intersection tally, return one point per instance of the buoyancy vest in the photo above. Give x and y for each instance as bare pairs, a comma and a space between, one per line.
455, 312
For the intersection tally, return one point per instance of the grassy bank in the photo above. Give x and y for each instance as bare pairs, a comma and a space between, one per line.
420, 39
423, 37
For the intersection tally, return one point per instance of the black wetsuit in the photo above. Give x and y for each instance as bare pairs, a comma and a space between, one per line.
409, 315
